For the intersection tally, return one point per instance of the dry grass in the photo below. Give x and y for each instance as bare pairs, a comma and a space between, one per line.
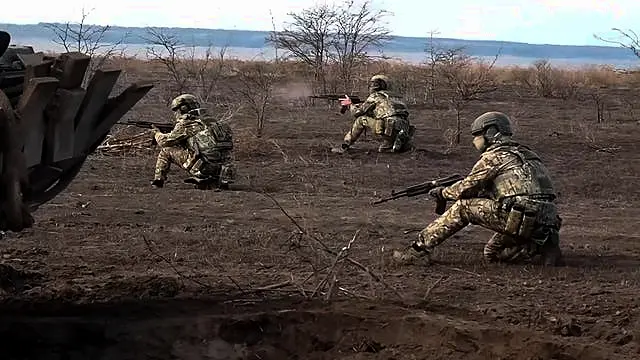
411, 81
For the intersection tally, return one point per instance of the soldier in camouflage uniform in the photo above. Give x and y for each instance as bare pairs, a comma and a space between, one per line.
198, 143
386, 115
508, 191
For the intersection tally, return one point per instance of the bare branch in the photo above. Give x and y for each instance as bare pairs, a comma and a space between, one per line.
185, 68
358, 30
627, 39
87, 39
308, 38
256, 81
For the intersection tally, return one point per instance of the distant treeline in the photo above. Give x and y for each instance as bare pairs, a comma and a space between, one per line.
256, 40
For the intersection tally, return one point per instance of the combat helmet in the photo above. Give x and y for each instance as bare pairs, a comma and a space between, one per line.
184, 103
379, 82
490, 119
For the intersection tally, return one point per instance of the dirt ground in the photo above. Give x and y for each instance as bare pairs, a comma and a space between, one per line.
114, 269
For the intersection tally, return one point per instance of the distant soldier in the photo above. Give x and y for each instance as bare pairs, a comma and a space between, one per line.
508, 191
199, 144
387, 116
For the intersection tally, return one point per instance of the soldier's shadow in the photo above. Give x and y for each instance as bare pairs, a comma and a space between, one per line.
598, 261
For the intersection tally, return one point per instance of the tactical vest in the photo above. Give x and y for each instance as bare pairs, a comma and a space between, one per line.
522, 173
215, 137
388, 106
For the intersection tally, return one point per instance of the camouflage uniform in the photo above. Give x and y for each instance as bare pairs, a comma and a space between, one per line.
387, 116
508, 191
200, 145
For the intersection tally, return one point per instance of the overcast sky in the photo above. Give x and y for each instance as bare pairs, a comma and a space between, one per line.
565, 22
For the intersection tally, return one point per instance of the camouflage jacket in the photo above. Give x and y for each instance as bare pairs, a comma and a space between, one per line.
380, 105
201, 135
504, 170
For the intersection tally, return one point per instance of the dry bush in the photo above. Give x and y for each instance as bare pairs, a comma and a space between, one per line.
254, 86
459, 80
545, 80
465, 80
408, 81
186, 69
602, 75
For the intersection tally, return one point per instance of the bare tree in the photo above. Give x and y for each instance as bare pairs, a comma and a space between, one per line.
358, 30
188, 71
543, 78
87, 39
326, 34
168, 50
467, 79
308, 38
437, 56
627, 39
256, 81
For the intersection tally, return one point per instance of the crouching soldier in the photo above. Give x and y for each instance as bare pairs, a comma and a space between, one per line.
198, 143
509, 191
384, 114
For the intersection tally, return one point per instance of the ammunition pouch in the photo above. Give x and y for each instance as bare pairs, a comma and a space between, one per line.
389, 127
379, 126
531, 219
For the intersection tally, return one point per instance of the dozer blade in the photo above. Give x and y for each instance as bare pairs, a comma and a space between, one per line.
50, 126
5, 39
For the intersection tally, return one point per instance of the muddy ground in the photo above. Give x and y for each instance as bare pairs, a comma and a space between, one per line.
114, 269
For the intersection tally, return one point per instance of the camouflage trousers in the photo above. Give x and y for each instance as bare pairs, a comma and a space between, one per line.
484, 212
186, 159
390, 131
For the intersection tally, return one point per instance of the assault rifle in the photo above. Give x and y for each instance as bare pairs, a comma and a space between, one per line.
354, 99
423, 188
164, 127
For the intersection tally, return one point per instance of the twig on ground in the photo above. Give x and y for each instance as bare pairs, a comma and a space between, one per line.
334, 281
325, 248
272, 287
236, 284
342, 253
149, 245
433, 286
349, 292
607, 149
299, 286
462, 270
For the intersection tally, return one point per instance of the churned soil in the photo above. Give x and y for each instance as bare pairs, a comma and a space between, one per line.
114, 269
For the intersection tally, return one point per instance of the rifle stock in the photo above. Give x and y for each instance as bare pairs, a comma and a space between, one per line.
355, 99
423, 188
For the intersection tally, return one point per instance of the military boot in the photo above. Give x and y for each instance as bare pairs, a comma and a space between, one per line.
205, 183
157, 183
411, 255
340, 149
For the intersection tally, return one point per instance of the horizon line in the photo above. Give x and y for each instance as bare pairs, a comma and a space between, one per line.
269, 31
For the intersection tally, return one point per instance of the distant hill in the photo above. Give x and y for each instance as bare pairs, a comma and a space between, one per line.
399, 44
